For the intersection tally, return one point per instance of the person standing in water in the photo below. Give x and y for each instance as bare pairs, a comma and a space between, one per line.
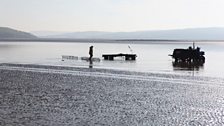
90, 53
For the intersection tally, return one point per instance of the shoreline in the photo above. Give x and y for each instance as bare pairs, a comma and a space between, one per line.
104, 71
129, 41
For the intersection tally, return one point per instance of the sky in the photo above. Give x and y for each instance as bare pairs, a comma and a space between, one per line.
110, 15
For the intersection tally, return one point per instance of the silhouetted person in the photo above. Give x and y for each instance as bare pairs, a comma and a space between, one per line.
90, 53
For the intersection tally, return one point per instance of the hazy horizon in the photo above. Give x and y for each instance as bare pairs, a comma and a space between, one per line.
110, 15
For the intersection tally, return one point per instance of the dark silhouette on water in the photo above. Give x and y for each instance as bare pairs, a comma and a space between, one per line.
188, 59
90, 53
190, 55
90, 57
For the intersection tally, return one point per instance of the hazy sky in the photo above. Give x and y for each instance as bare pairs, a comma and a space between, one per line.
110, 15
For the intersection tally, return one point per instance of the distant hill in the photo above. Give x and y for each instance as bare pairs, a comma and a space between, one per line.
179, 34
8, 33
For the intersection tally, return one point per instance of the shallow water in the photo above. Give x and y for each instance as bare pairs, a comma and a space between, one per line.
151, 57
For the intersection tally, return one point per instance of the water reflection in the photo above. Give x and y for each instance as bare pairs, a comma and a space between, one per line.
191, 66
151, 57
90, 64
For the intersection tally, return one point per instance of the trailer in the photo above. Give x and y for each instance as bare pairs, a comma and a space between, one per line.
112, 56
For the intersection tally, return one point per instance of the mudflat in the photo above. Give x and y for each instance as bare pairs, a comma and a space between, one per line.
54, 96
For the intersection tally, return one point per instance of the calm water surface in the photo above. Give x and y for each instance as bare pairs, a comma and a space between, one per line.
151, 57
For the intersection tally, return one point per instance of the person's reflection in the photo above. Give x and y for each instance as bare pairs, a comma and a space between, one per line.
90, 63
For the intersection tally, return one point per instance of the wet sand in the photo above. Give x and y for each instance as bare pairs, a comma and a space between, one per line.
54, 96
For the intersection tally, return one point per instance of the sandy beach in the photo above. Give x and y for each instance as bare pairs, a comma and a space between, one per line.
34, 95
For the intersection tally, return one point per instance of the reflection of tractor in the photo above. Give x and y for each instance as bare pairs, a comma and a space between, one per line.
188, 55
188, 65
